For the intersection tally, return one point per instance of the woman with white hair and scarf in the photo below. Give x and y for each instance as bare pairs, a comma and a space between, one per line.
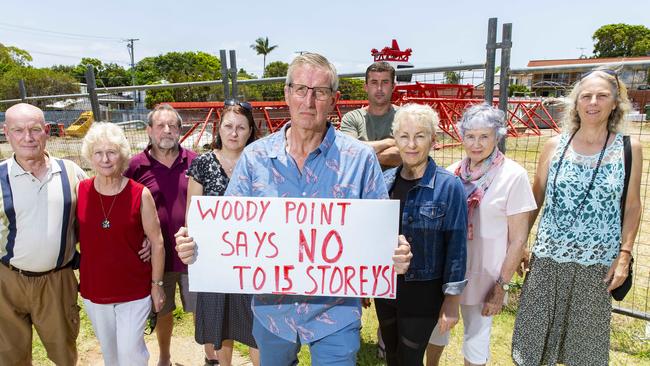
499, 199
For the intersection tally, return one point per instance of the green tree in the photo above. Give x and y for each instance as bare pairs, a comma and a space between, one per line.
178, 67
261, 46
352, 89
621, 40
276, 69
11, 57
452, 77
37, 82
517, 88
106, 75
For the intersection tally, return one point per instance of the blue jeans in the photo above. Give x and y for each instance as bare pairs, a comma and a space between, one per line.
339, 348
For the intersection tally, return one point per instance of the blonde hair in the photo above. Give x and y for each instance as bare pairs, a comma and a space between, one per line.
314, 60
571, 119
421, 113
109, 133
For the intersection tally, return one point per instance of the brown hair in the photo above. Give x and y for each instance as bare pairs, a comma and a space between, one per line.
381, 66
237, 109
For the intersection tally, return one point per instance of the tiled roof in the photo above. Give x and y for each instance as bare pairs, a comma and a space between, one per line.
577, 61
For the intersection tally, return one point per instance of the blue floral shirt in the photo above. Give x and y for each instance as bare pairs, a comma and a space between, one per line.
340, 167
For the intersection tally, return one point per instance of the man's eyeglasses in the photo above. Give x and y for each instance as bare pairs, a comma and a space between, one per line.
606, 71
320, 92
152, 319
233, 102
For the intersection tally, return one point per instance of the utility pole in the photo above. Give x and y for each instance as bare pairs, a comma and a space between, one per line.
129, 46
582, 52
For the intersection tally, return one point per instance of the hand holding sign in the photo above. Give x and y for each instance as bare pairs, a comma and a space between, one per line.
402, 255
317, 247
185, 246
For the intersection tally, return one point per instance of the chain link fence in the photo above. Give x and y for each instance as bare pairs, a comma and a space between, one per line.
68, 122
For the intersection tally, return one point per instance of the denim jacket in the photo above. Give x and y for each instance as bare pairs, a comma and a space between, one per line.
434, 222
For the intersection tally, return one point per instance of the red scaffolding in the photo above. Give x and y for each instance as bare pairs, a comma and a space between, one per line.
524, 117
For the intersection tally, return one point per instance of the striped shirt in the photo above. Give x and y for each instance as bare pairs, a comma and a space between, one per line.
37, 217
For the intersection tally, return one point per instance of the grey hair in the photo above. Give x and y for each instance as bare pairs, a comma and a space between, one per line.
110, 133
483, 116
163, 108
314, 60
421, 113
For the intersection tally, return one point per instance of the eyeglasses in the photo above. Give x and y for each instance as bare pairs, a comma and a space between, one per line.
152, 319
320, 92
609, 72
233, 102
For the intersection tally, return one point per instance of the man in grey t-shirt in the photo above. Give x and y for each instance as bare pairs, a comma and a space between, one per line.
373, 124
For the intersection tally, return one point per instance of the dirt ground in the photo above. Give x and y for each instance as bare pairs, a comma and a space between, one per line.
185, 352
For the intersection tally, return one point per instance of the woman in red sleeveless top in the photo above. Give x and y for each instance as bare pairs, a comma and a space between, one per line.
115, 214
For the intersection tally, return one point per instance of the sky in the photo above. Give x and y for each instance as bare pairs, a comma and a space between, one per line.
440, 33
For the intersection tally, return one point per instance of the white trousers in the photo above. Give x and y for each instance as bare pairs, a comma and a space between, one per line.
120, 330
476, 339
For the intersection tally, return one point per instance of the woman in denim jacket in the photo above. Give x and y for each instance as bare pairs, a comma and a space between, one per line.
433, 214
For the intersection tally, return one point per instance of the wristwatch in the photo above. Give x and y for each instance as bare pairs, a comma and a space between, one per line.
157, 283
504, 285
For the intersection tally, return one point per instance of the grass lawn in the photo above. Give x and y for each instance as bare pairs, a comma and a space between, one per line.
628, 343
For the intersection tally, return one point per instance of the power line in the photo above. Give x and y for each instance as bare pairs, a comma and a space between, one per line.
13, 27
72, 56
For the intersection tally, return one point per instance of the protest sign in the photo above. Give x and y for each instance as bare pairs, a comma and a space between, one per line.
317, 247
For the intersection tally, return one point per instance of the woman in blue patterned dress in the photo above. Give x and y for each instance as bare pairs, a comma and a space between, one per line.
222, 318
583, 250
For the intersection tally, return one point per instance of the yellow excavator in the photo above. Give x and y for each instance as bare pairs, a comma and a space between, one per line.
79, 127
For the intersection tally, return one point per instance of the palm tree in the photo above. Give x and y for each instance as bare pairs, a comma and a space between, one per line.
262, 47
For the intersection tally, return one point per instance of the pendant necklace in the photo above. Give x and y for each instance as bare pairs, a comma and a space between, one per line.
106, 224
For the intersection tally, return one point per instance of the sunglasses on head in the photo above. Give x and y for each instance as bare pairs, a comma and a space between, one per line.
152, 319
233, 102
609, 72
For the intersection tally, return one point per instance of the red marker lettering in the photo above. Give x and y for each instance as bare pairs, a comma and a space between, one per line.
241, 274
326, 241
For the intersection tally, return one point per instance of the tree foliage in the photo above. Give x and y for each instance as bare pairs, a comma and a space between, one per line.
12, 57
178, 67
621, 40
276, 69
14, 66
262, 47
106, 75
37, 82
452, 77
352, 89
517, 88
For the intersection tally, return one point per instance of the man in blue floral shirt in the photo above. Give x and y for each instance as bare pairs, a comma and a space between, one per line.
308, 158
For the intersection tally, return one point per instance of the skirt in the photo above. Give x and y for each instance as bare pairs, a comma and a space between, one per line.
224, 316
564, 315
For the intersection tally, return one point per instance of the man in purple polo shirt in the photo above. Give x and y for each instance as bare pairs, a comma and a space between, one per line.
161, 167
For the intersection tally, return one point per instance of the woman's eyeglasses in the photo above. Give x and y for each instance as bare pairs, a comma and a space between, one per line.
233, 102
609, 72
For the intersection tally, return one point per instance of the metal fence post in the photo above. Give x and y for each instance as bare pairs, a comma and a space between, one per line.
92, 92
504, 80
490, 59
224, 74
22, 90
233, 74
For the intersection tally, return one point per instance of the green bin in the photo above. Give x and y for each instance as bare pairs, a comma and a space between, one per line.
647, 112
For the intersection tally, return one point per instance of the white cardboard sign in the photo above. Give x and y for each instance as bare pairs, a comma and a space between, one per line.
317, 247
